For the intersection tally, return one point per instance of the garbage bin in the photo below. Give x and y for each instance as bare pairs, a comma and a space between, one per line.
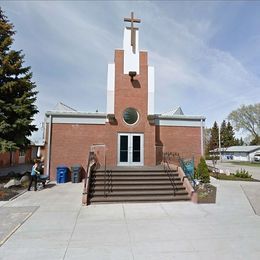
76, 173
62, 174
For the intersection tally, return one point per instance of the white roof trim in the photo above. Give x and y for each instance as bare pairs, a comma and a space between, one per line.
181, 117
75, 114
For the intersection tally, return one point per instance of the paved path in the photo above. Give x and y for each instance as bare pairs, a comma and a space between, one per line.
253, 194
253, 170
63, 229
11, 219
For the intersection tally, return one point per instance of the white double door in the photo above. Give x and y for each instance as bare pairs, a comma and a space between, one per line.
130, 149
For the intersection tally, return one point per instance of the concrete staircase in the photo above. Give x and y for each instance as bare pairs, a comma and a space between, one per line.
143, 184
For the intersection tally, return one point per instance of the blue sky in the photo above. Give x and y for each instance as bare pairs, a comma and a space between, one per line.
206, 54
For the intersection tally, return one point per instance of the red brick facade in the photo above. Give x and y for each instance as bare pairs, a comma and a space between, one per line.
70, 143
16, 158
182, 140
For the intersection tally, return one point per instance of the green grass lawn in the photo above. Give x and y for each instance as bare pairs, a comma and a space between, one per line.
253, 164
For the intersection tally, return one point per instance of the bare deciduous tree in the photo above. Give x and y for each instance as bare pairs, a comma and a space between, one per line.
247, 118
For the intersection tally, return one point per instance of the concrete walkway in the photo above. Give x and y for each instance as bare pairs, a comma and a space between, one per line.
63, 229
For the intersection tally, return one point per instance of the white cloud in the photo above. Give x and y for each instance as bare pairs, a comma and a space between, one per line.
68, 45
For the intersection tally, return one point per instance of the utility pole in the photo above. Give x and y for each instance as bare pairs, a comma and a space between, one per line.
219, 143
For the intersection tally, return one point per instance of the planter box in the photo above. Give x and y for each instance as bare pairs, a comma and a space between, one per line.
207, 194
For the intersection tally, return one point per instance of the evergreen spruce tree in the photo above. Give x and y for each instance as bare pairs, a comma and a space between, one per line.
227, 135
241, 141
17, 93
213, 142
202, 171
223, 134
231, 140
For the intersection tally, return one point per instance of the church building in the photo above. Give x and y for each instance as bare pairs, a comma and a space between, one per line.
130, 131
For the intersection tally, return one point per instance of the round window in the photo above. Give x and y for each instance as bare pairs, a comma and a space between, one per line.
130, 116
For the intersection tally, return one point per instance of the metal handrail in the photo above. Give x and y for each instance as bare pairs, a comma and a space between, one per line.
92, 160
185, 170
169, 171
107, 182
170, 156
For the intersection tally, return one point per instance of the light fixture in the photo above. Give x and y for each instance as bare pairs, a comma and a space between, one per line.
132, 74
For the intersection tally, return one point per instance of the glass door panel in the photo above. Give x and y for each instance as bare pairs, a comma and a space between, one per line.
136, 141
130, 149
123, 148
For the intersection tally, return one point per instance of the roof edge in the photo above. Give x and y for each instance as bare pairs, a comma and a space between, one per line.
76, 114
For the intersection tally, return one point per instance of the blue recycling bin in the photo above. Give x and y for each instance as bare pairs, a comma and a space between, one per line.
62, 174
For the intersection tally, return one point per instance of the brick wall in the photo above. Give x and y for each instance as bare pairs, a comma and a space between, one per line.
5, 158
183, 140
71, 142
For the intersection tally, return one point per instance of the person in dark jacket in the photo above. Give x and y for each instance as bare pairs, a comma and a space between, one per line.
34, 174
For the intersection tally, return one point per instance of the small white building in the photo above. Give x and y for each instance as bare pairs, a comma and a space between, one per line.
238, 153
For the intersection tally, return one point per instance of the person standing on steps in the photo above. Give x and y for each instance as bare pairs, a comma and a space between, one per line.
34, 174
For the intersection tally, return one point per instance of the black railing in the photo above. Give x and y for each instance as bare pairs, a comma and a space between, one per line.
187, 165
107, 182
167, 169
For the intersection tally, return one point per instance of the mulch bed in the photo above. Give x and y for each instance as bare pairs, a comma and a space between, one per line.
9, 193
231, 177
206, 193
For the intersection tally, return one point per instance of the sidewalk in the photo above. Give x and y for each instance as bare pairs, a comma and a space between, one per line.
60, 228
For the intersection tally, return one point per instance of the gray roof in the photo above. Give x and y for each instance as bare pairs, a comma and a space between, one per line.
244, 149
62, 110
61, 107
247, 149
176, 111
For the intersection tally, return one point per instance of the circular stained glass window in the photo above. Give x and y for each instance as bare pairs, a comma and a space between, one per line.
130, 116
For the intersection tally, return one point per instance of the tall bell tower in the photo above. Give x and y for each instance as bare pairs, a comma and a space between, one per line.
130, 100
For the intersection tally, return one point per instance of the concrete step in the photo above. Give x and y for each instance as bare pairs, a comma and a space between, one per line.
143, 184
139, 193
134, 178
139, 182
139, 187
132, 169
159, 198
161, 173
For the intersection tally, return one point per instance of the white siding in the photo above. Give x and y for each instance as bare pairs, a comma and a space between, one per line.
131, 60
150, 90
110, 88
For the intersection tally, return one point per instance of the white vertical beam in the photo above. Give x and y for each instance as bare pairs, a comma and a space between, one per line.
49, 146
131, 60
202, 137
150, 90
111, 89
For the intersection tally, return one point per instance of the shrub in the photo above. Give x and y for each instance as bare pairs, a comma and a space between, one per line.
202, 171
212, 157
195, 173
242, 173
